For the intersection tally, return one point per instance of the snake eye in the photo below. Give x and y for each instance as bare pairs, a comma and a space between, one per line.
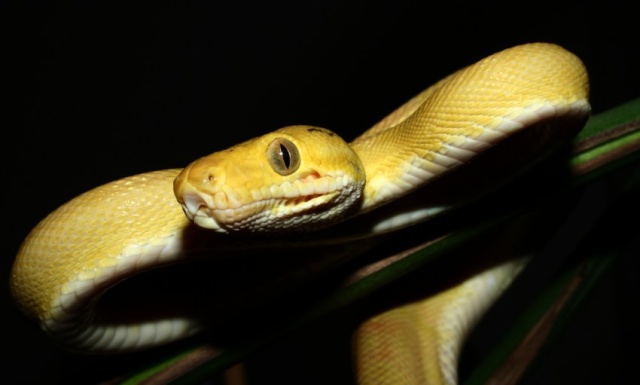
283, 156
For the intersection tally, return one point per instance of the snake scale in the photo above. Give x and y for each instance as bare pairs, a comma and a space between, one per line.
299, 179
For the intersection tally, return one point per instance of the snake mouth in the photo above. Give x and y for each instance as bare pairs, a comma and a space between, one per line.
277, 208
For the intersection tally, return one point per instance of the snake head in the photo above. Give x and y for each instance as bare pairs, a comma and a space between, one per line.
297, 176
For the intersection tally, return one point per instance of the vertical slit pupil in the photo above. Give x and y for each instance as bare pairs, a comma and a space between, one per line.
286, 157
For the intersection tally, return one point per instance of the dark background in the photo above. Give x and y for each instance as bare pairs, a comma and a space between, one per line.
102, 90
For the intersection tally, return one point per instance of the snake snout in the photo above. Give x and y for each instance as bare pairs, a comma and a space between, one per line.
197, 190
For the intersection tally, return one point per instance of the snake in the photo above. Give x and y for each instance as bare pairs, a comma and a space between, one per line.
298, 182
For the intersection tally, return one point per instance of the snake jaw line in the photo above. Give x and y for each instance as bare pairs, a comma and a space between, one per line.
294, 206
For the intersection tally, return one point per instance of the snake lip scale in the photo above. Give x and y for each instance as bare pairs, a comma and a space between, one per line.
212, 210
304, 179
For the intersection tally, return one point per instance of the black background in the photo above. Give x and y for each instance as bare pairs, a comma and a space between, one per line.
102, 90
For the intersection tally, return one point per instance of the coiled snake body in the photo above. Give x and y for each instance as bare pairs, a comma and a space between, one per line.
296, 178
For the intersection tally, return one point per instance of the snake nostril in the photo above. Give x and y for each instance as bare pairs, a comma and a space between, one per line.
211, 178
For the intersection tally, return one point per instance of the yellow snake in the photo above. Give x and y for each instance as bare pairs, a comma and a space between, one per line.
292, 181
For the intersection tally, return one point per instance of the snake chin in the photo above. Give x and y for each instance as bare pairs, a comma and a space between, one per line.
206, 221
